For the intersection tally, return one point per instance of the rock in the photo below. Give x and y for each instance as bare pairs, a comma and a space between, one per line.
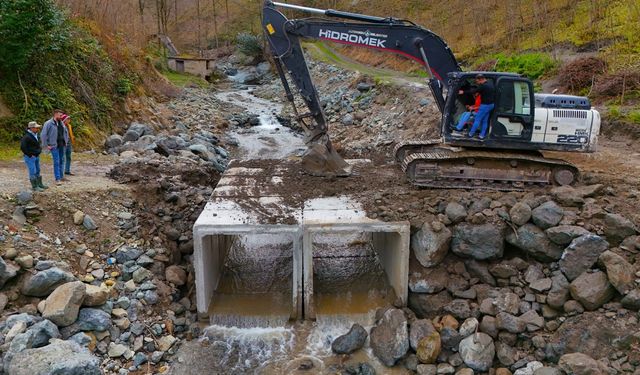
64, 302
547, 215
581, 255
427, 369
459, 308
520, 213
88, 223
19, 216
567, 196
18, 328
503, 270
95, 296
131, 136
42, 332
506, 302
3, 301
176, 275
431, 244
7, 272
619, 271
541, 285
564, 234
477, 351
571, 307
59, 357
506, 354
510, 323
534, 241
533, 321
89, 319
445, 369
25, 261
348, 119
363, 86
141, 274
469, 326
429, 305
126, 253
390, 339
44, 282
579, 364
547, 371
529, 369
429, 348
455, 212
166, 342
559, 293
430, 281
24, 197
617, 228
116, 350
479, 270
419, 328
351, 341
632, 300
592, 290
78, 217
113, 141
503, 371
479, 242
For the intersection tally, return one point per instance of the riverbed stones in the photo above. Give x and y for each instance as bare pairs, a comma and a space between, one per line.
176, 275
582, 254
419, 328
63, 303
617, 228
510, 323
351, 341
564, 234
429, 348
44, 282
547, 215
534, 242
477, 351
579, 364
481, 242
7, 272
389, 338
520, 213
59, 357
455, 212
431, 243
619, 271
592, 289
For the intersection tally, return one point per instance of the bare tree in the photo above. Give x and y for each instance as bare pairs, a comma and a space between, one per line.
215, 22
199, 31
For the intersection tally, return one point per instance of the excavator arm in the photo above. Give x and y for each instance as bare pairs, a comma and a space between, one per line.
385, 34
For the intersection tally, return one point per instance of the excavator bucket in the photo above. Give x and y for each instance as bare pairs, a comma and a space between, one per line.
321, 159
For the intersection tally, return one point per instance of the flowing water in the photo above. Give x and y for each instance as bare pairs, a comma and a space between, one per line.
250, 329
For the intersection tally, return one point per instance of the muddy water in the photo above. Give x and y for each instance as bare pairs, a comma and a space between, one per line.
269, 139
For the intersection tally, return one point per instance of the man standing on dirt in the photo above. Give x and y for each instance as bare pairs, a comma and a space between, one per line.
55, 138
66, 120
31, 148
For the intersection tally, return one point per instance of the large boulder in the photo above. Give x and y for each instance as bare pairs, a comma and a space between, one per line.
390, 338
95, 295
429, 305
592, 289
58, 358
61, 307
547, 215
477, 351
351, 341
113, 141
617, 228
582, 254
455, 212
575, 196
632, 300
44, 282
431, 243
579, 364
481, 242
42, 332
564, 234
7, 272
532, 240
619, 271
89, 319
431, 280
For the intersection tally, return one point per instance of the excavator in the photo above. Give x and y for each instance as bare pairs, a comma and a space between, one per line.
521, 125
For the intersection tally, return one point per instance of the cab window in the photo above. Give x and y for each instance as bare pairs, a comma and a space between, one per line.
515, 98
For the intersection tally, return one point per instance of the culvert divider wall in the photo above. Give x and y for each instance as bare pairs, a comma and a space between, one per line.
244, 204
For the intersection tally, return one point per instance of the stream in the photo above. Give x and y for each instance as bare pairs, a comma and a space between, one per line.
250, 330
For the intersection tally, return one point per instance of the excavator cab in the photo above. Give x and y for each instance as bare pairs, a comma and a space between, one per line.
510, 122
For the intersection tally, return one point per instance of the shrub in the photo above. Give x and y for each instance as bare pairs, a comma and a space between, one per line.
613, 84
124, 86
531, 65
580, 73
250, 45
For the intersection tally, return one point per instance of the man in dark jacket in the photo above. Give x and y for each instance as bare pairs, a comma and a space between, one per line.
487, 93
55, 138
30, 146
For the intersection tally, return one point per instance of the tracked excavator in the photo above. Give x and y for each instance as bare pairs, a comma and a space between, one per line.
521, 125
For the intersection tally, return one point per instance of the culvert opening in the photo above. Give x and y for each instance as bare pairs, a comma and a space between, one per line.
353, 272
252, 279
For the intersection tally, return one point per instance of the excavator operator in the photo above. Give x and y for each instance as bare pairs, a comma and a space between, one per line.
486, 89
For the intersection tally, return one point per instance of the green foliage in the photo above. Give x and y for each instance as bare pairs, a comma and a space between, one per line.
634, 117
250, 45
184, 79
531, 65
124, 86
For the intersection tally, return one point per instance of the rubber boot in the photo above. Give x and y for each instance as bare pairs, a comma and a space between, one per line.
41, 185
34, 185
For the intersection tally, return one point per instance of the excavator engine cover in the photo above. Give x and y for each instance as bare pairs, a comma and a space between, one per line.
321, 159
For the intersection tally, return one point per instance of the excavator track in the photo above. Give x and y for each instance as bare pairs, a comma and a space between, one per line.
438, 166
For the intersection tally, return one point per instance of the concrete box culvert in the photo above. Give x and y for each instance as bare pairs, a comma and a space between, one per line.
222, 226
